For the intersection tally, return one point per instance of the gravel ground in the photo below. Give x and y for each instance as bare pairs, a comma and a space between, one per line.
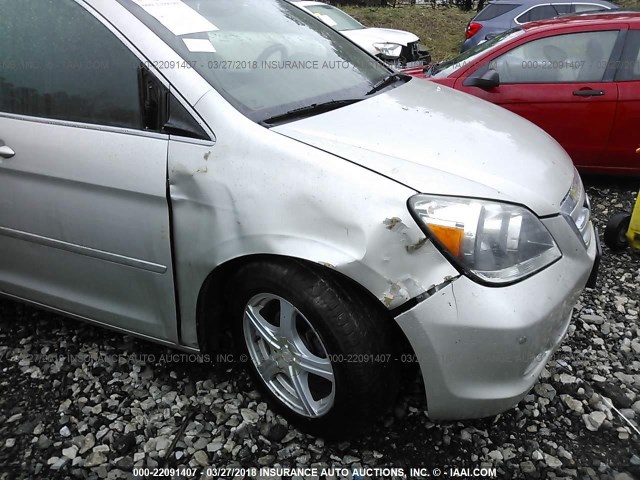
82, 402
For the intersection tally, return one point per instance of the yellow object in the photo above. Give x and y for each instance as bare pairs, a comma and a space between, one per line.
633, 234
451, 237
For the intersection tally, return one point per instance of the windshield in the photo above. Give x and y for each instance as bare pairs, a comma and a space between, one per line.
266, 57
335, 18
447, 67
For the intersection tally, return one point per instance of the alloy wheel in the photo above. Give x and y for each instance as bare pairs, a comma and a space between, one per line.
289, 355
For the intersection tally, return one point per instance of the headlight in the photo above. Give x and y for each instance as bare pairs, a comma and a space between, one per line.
493, 242
388, 50
575, 207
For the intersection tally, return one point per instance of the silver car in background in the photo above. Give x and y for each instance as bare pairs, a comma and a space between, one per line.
171, 169
502, 15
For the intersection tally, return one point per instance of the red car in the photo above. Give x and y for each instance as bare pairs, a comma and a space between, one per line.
577, 77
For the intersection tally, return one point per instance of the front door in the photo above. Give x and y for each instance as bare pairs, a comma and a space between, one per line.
84, 220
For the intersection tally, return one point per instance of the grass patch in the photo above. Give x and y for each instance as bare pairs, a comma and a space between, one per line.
441, 30
629, 4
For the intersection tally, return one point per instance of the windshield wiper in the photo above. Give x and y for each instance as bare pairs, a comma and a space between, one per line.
308, 111
391, 79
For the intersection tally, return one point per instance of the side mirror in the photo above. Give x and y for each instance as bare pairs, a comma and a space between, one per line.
490, 79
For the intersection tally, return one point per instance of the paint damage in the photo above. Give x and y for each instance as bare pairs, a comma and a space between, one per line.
397, 226
252, 193
405, 244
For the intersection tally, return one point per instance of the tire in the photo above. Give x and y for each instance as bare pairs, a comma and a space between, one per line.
616, 230
327, 328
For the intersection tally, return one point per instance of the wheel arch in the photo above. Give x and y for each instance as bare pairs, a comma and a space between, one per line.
212, 316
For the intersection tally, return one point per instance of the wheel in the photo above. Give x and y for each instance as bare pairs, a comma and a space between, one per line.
318, 350
616, 231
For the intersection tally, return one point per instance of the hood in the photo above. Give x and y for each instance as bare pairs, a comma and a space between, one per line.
436, 140
366, 37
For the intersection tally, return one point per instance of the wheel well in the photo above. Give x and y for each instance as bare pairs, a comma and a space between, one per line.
212, 309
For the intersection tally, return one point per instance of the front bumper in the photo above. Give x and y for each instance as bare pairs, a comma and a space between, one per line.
481, 349
412, 57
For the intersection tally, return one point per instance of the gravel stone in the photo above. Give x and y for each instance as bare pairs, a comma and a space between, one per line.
148, 404
592, 319
629, 413
572, 403
163, 443
552, 461
94, 459
278, 431
594, 420
622, 476
70, 452
59, 463
250, 416
201, 458
14, 418
214, 447
527, 467
567, 379
125, 463
266, 460
545, 390
88, 443
44, 442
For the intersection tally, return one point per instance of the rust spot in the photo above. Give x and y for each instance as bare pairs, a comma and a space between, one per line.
390, 223
417, 246
395, 225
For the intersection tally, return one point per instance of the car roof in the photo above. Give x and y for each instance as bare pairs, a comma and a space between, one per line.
585, 19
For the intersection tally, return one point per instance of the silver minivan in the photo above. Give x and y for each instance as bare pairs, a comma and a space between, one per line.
173, 169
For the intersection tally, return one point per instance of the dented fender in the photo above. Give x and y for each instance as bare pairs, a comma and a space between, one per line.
254, 191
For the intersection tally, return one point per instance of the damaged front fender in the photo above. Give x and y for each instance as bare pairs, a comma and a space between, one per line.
256, 192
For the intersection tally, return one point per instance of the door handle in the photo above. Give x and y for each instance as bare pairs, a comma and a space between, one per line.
6, 152
588, 93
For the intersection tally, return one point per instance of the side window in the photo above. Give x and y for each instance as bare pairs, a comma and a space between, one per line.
571, 58
57, 61
541, 12
586, 7
494, 10
563, 8
629, 66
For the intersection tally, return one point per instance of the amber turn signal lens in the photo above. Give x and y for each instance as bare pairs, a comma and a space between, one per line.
450, 238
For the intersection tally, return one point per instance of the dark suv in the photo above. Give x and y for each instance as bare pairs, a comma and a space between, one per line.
502, 15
